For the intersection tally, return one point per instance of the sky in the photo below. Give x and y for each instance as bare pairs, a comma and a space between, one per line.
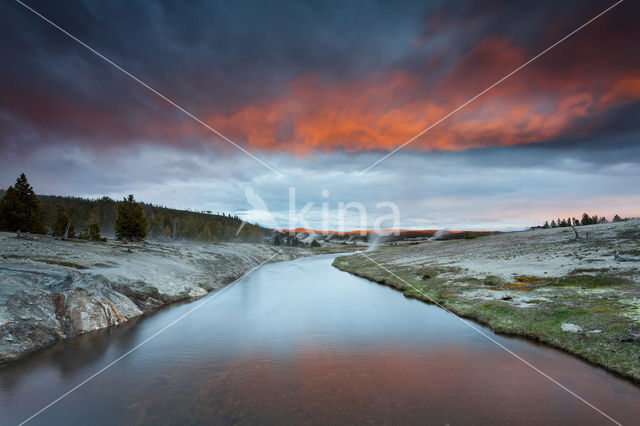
319, 91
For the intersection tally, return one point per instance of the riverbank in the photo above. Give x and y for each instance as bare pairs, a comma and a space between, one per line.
337, 348
541, 284
52, 290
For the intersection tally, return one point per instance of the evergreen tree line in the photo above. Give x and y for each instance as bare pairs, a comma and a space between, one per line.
585, 220
21, 209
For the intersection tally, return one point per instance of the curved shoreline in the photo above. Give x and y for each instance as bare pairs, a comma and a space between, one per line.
589, 313
477, 320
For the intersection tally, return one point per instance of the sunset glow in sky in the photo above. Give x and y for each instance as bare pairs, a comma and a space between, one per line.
320, 91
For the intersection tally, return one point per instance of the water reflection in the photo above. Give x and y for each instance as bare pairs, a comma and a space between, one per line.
304, 343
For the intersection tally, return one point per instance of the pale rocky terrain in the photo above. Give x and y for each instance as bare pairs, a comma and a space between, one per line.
537, 253
552, 250
52, 289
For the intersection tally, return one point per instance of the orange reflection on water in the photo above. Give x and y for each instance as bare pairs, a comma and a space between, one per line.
324, 386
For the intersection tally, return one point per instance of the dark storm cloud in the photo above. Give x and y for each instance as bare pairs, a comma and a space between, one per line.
321, 90
216, 55
233, 63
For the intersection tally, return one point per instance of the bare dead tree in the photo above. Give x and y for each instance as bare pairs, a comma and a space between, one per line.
576, 231
586, 237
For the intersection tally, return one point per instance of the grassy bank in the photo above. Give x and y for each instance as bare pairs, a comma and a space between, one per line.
588, 304
334, 248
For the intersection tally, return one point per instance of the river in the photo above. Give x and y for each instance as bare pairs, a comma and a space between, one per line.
302, 342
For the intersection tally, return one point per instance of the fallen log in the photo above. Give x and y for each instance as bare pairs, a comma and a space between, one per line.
619, 258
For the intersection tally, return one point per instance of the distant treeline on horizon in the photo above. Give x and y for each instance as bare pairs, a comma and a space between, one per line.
163, 223
585, 220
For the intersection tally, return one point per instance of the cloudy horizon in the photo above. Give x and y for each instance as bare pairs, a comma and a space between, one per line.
320, 93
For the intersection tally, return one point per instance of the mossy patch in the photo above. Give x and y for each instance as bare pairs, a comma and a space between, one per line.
593, 281
494, 281
62, 263
426, 274
588, 270
528, 282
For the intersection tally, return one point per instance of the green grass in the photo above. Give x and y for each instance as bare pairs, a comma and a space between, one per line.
47, 261
493, 281
62, 263
332, 249
426, 274
593, 281
588, 270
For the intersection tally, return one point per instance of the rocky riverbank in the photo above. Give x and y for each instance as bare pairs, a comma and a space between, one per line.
581, 296
52, 289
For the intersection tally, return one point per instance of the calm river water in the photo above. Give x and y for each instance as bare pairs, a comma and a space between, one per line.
301, 342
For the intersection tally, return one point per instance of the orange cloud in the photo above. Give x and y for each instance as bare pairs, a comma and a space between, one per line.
382, 112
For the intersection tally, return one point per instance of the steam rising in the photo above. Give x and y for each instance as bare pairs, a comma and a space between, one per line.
442, 234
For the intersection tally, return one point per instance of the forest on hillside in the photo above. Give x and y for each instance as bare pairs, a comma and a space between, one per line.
163, 223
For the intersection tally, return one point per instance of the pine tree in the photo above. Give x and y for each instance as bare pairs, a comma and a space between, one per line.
62, 220
11, 211
20, 210
586, 220
131, 224
94, 230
